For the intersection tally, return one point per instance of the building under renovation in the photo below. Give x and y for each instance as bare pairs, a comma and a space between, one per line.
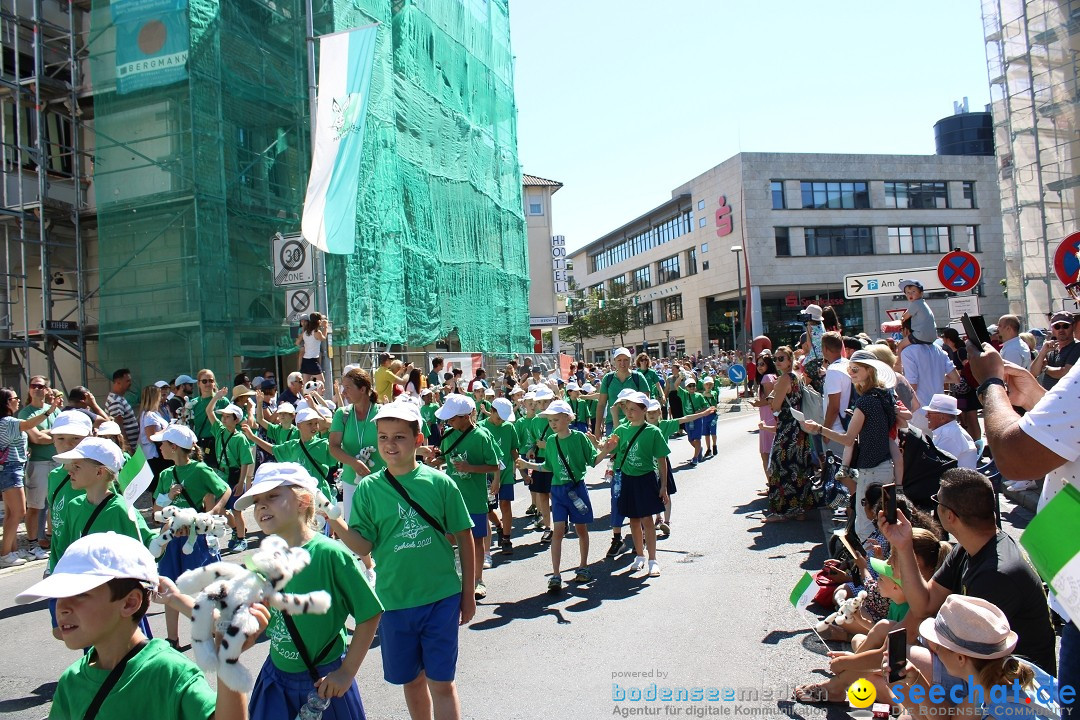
152, 149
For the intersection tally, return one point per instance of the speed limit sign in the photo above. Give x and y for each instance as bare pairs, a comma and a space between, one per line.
293, 261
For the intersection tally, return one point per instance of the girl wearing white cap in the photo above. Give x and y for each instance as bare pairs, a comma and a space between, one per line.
111, 431
310, 451
581, 408
189, 483
235, 458
310, 652
283, 428
68, 430
500, 425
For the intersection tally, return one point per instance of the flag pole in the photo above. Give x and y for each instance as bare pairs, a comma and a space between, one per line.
322, 297
814, 629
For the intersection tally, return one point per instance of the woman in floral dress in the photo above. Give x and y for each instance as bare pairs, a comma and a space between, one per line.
791, 492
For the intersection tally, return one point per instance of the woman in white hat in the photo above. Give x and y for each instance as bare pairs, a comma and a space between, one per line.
872, 420
971, 637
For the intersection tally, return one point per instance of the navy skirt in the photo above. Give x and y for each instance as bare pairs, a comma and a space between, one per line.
279, 695
639, 496
174, 562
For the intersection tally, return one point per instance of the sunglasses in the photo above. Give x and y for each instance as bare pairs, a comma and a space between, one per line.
1056, 326
36, 386
206, 381
934, 499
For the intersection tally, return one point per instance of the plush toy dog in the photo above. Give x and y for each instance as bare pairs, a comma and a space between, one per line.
226, 592
324, 507
215, 527
845, 613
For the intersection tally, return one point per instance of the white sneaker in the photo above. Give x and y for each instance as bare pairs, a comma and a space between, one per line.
487, 560
37, 553
11, 560
23, 554
654, 569
638, 564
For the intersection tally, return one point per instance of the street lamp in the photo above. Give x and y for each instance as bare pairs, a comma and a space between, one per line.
737, 249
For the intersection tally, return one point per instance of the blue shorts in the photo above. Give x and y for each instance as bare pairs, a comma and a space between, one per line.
174, 562
506, 491
541, 482
11, 476
580, 426
562, 507
279, 695
693, 430
710, 424
479, 525
420, 639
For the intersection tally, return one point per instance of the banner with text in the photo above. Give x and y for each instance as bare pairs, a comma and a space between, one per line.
152, 43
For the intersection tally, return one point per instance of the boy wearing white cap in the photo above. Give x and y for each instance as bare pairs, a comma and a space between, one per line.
102, 588
310, 450
581, 408
283, 429
569, 455
539, 481
469, 454
500, 424
69, 429
235, 458
403, 514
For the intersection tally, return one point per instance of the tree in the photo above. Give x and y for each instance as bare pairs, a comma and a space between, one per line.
618, 315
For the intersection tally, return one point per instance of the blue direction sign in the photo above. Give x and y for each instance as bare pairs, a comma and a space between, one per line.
736, 374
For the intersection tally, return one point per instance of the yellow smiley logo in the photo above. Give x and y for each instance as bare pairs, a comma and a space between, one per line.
861, 694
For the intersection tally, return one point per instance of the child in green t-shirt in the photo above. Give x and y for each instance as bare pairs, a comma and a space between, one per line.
712, 398
669, 428
308, 449
500, 424
236, 459
102, 587
404, 515
539, 481
284, 428
569, 454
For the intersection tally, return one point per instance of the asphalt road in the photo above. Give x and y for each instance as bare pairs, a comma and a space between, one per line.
718, 617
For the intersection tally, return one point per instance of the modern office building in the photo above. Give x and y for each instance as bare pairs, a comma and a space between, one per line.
1031, 53
800, 223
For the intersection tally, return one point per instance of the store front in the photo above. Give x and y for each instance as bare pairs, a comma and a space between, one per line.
779, 312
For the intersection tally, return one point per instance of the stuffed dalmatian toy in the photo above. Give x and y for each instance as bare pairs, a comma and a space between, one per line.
845, 613
325, 508
215, 527
225, 594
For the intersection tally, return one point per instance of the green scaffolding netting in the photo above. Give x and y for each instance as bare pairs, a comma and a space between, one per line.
195, 174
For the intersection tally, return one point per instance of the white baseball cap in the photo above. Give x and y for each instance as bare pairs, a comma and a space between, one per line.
529, 396
92, 561
179, 435
517, 390
307, 414
271, 475
505, 408
653, 405
286, 407
543, 392
558, 407
638, 398
489, 392
425, 391
348, 368
455, 406
231, 409
161, 384
109, 428
324, 412
620, 352
624, 394
399, 410
97, 449
72, 422
572, 386
588, 388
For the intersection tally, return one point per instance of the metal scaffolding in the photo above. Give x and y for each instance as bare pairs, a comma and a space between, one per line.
44, 210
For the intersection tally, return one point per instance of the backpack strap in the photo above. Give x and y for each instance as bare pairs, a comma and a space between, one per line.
110, 682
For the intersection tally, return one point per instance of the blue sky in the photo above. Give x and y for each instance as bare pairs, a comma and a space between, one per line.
623, 101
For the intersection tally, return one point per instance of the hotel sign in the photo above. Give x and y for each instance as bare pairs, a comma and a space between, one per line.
559, 276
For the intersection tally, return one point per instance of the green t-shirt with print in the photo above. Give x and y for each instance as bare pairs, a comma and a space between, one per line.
477, 448
427, 413
200, 424
333, 569
506, 442
692, 402
640, 458
579, 453
39, 453
117, 515
357, 434
526, 437
278, 434
668, 427
611, 386
415, 561
232, 448
654, 382
198, 479
583, 410
175, 684
712, 397
318, 465
60, 493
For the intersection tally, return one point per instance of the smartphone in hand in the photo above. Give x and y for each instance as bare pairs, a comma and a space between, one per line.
975, 327
889, 493
897, 653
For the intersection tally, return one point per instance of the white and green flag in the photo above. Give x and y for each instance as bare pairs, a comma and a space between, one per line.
1052, 541
803, 592
135, 476
345, 64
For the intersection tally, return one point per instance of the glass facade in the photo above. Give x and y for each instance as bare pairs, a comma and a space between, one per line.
669, 269
642, 242
645, 314
671, 308
691, 261
839, 195
916, 195
839, 241
918, 239
642, 278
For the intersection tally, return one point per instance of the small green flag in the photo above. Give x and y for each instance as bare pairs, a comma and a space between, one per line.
1052, 541
135, 476
804, 591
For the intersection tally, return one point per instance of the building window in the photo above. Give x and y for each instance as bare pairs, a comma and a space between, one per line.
669, 269
671, 308
644, 314
783, 242
916, 195
839, 241
918, 239
968, 196
704, 264
777, 189
967, 239
642, 278
700, 204
704, 248
840, 195
598, 291
642, 242
701, 222
536, 204
691, 261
